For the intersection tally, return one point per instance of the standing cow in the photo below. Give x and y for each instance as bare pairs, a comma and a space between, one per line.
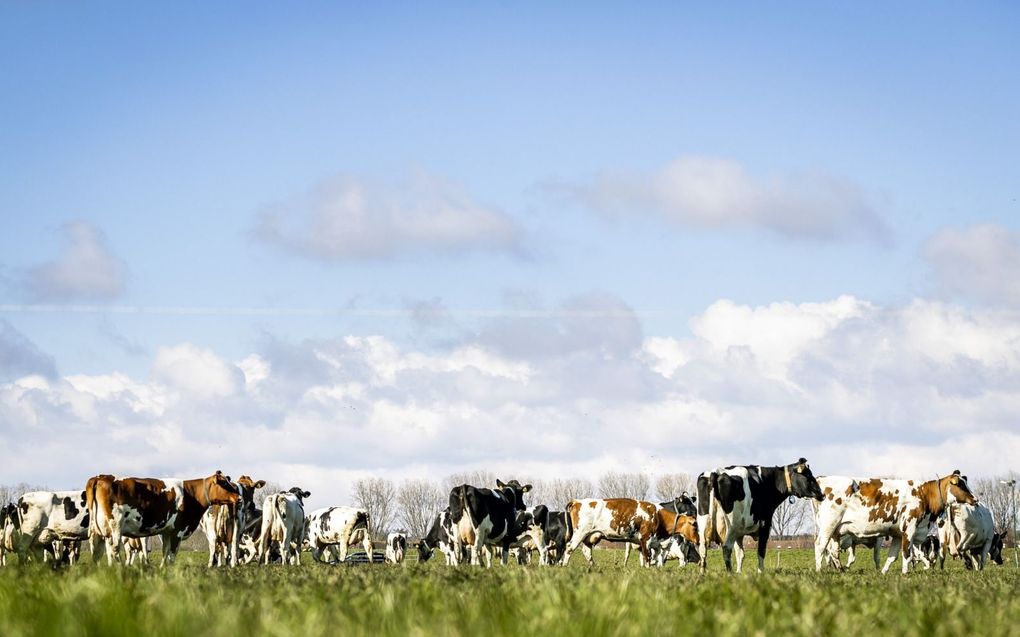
283, 524
968, 531
483, 517
47, 519
738, 501
396, 546
902, 509
220, 522
337, 529
141, 507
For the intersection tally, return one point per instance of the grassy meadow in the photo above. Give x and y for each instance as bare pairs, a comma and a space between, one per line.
425, 599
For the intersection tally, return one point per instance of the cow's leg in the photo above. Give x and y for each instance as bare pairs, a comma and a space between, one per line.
586, 550
646, 557
703, 551
575, 541
876, 553
907, 549
367, 544
851, 554
763, 545
626, 553
738, 551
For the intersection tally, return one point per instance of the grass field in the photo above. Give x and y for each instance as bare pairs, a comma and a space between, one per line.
426, 599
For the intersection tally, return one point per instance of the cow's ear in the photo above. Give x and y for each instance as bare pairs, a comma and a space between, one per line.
526, 488
260, 484
956, 472
305, 494
802, 461
218, 473
800, 469
499, 483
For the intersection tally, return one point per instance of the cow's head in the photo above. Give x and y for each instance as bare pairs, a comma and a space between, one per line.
218, 489
424, 551
398, 541
995, 552
300, 493
247, 488
955, 488
514, 492
800, 481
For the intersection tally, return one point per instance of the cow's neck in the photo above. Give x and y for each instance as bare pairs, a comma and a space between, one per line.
932, 497
199, 492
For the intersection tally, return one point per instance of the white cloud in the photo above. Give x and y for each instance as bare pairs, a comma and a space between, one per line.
85, 270
713, 192
981, 262
857, 388
354, 219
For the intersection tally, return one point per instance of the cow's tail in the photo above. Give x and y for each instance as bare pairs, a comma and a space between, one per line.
92, 505
569, 521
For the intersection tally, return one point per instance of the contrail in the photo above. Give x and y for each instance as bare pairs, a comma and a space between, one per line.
186, 310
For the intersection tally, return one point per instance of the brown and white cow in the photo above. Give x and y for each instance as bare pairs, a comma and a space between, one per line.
141, 507
220, 520
902, 509
614, 519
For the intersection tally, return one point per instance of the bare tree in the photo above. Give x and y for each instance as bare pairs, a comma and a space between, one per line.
999, 495
670, 485
624, 485
556, 493
11, 492
418, 502
377, 496
260, 494
794, 516
482, 478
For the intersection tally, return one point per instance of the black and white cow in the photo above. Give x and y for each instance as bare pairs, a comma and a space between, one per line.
483, 517
556, 533
331, 531
283, 525
8, 515
396, 546
48, 518
439, 537
740, 500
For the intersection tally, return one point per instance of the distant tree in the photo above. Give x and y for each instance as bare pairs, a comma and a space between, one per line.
794, 516
481, 478
671, 485
418, 502
378, 497
563, 490
624, 485
1000, 496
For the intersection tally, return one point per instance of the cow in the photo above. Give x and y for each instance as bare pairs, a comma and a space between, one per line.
141, 507
616, 519
832, 486
684, 504
396, 546
740, 500
902, 509
219, 523
335, 529
968, 531
555, 537
674, 548
482, 517
283, 525
672, 529
531, 527
439, 537
48, 518
8, 516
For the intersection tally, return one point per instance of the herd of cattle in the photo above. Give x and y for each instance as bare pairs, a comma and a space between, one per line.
927, 520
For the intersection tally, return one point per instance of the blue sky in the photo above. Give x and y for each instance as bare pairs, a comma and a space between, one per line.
659, 159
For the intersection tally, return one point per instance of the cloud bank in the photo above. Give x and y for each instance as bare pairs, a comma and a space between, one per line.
912, 390
980, 263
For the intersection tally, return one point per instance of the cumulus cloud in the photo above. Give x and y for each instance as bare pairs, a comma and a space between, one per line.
86, 269
856, 387
349, 218
714, 193
981, 262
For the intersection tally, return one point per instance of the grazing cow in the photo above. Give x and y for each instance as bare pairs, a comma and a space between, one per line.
555, 537
968, 531
140, 507
673, 529
615, 519
902, 509
283, 525
483, 517
530, 527
46, 519
220, 522
335, 530
8, 516
674, 548
741, 500
396, 545
439, 537
931, 548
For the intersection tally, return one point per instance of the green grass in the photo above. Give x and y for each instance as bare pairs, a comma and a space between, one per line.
426, 599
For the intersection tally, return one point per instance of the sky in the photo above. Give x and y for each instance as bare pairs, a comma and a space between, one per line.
318, 242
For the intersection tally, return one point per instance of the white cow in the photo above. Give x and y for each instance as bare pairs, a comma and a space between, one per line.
283, 523
875, 508
137, 550
337, 529
45, 517
968, 531
396, 546
835, 490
